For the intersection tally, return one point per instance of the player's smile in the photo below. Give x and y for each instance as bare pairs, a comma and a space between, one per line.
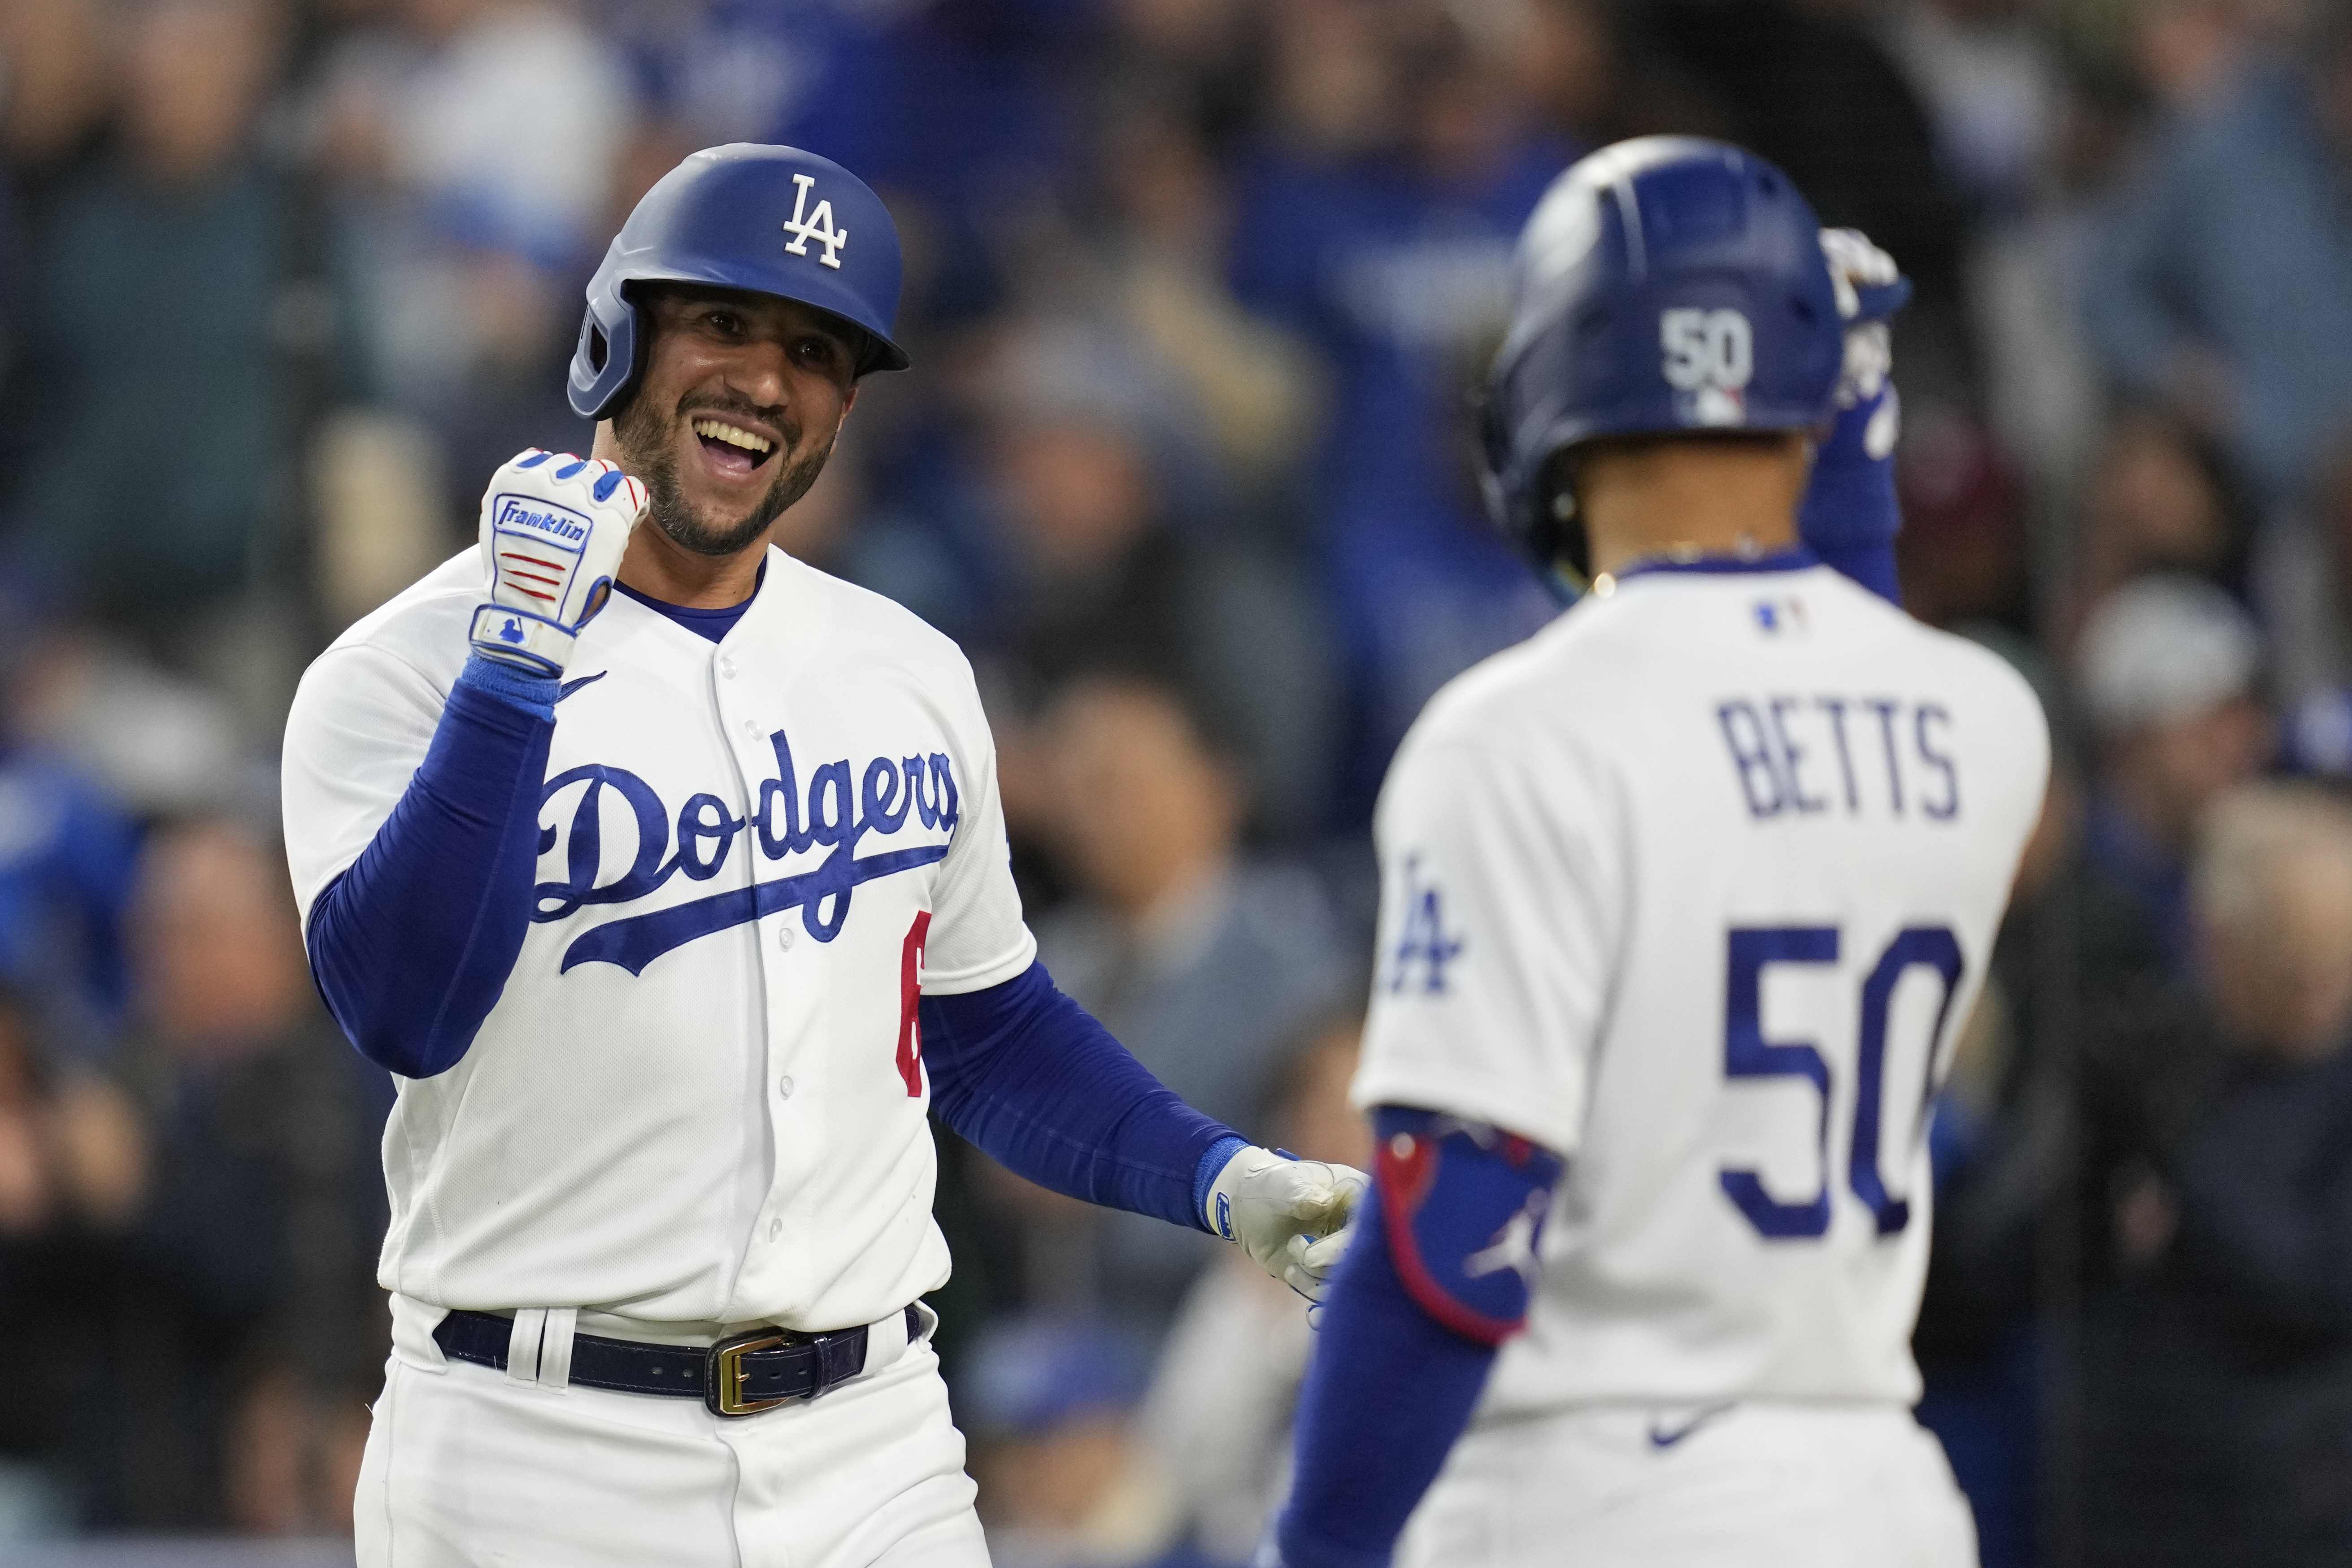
731, 444
733, 449
736, 412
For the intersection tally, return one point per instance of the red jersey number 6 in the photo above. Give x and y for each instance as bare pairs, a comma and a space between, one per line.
911, 997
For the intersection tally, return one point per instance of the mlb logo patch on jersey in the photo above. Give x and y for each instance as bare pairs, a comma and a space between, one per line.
1775, 617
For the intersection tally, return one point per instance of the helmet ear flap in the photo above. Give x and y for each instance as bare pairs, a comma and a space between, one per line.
605, 363
1537, 512
1566, 553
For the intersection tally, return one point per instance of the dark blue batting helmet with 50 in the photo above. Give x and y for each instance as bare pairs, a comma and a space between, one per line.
1666, 284
772, 220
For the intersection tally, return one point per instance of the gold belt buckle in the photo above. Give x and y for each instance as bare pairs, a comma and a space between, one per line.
729, 1374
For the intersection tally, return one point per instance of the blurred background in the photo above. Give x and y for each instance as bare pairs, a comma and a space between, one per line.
1196, 292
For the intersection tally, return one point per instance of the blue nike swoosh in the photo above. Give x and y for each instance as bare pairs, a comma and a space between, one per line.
1662, 1438
569, 687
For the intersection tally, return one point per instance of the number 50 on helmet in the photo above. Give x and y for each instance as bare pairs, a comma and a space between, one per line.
1666, 285
771, 220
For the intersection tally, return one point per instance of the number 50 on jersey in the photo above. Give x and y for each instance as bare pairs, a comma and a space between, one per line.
1931, 953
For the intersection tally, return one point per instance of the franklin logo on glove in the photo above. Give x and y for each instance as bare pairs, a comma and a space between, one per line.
553, 522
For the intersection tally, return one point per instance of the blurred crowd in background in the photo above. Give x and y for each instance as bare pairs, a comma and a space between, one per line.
1197, 292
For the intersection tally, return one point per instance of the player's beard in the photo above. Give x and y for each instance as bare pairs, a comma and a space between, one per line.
649, 452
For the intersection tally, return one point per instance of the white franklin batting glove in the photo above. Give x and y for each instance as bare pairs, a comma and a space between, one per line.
1290, 1215
553, 529
1870, 290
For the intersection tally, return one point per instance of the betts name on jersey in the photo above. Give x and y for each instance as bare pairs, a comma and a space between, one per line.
1697, 888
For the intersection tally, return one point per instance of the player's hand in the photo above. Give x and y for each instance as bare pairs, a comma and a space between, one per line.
1870, 290
1290, 1215
553, 529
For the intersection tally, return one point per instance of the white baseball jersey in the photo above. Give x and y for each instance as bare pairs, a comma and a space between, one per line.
1697, 886
699, 1097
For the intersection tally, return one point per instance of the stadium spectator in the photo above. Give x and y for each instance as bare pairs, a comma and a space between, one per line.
67, 850
1961, 553
475, 148
1378, 226
153, 287
2167, 669
1988, 81
249, 1265
2158, 499
2072, 1080
71, 1163
2222, 1422
1201, 960
1114, 556
2221, 282
1063, 1481
1168, 225
58, 89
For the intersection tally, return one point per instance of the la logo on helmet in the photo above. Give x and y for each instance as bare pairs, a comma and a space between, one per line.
816, 225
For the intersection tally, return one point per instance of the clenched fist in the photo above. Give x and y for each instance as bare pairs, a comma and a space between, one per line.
1290, 1215
553, 529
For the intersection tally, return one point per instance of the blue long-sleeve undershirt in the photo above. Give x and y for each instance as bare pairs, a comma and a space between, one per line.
1410, 1331
1388, 1392
1850, 515
412, 945
1030, 1077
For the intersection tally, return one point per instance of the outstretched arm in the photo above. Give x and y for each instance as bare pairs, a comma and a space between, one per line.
1037, 1084
1440, 1277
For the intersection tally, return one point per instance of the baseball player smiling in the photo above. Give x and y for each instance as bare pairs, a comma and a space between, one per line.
668, 875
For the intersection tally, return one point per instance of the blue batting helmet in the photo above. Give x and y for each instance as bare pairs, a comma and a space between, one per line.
1664, 284
773, 220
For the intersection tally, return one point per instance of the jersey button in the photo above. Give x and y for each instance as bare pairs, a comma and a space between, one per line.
785, 936
750, 730
785, 1087
775, 1228
727, 665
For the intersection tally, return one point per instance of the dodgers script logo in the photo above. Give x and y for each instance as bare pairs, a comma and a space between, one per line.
890, 798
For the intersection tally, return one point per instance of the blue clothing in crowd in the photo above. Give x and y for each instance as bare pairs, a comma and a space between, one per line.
67, 859
2156, 880
136, 297
1403, 279
2235, 239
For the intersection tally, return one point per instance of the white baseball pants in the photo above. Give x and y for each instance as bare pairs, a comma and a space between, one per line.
1744, 1486
467, 1466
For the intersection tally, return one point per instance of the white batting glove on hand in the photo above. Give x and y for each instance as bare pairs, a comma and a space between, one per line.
553, 529
1870, 290
1290, 1215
